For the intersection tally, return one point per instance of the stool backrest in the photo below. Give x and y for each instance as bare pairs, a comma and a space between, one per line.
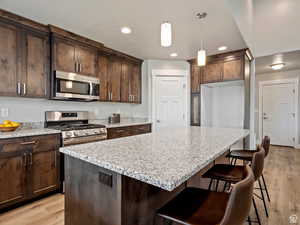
257, 163
266, 145
239, 204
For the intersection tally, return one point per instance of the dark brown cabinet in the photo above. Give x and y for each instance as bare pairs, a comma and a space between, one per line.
212, 72
196, 78
30, 167
120, 78
135, 84
35, 77
24, 61
118, 132
70, 56
233, 70
9, 62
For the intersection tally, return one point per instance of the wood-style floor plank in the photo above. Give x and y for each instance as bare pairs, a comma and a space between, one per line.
282, 173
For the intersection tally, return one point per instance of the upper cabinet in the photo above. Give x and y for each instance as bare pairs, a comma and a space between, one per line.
219, 68
120, 77
31, 52
24, 59
70, 54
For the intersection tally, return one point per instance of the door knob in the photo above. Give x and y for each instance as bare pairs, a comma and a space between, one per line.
265, 118
158, 121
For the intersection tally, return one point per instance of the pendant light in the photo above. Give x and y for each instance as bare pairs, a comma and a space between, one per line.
166, 34
201, 57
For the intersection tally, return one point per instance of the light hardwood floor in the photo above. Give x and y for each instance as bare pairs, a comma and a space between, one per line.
282, 172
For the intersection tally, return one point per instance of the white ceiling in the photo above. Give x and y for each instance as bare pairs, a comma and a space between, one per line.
268, 26
291, 60
102, 21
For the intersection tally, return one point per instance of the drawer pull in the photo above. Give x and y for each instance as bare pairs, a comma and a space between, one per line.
30, 163
29, 143
24, 159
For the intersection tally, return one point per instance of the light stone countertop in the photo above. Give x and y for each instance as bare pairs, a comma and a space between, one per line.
165, 159
27, 132
123, 123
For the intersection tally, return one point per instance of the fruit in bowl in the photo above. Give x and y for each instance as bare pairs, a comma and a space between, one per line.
8, 125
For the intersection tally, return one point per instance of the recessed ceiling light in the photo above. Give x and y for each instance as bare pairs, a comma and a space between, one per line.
174, 54
277, 66
126, 30
222, 48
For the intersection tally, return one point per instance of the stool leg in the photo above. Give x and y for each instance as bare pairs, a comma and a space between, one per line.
249, 220
266, 188
256, 211
263, 197
217, 185
225, 184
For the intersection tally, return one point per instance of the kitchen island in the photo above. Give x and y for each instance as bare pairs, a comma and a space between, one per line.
124, 181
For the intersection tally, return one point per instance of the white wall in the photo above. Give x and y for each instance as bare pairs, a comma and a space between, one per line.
267, 77
32, 110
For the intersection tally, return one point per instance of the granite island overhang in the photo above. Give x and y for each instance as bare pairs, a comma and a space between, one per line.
124, 181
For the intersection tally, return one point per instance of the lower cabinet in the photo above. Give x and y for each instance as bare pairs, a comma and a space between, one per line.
29, 167
118, 132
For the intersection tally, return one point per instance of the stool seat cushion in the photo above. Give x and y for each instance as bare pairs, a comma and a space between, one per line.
196, 206
225, 172
242, 154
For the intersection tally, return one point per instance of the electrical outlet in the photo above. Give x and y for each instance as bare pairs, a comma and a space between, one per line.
4, 112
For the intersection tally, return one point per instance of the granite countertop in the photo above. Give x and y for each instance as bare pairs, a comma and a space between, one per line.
165, 159
27, 132
123, 123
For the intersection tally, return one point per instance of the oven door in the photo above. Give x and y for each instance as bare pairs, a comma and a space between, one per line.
75, 87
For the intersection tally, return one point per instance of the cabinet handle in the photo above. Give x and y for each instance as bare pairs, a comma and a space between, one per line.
55, 159
24, 160
129, 98
30, 163
29, 143
79, 67
19, 88
24, 89
75, 66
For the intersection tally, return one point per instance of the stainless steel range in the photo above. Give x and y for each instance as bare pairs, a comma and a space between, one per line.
75, 127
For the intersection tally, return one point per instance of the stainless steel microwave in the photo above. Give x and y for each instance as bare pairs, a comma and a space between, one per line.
72, 86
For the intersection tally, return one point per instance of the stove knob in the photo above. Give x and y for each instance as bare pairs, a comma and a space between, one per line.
76, 134
68, 134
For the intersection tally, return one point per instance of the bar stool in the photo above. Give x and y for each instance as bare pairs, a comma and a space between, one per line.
232, 174
247, 155
195, 206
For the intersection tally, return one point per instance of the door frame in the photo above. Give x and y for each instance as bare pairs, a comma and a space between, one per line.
171, 74
294, 81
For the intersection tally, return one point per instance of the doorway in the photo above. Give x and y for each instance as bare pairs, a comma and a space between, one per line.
278, 110
169, 102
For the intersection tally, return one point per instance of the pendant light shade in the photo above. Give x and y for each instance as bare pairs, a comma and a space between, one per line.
201, 58
166, 34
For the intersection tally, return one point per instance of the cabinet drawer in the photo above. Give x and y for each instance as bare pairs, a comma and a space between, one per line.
141, 129
34, 143
44, 143
118, 132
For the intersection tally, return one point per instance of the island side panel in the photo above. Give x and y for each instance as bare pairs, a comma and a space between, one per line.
90, 197
140, 201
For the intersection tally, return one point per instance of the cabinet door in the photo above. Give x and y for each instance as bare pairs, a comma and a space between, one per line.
213, 72
35, 77
103, 65
125, 78
115, 79
135, 83
87, 59
233, 70
9, 59
44, 171
64, 56
195, 109
195, 78
12, 179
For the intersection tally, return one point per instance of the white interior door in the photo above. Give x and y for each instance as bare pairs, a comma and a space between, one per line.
278, 114
170, 102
